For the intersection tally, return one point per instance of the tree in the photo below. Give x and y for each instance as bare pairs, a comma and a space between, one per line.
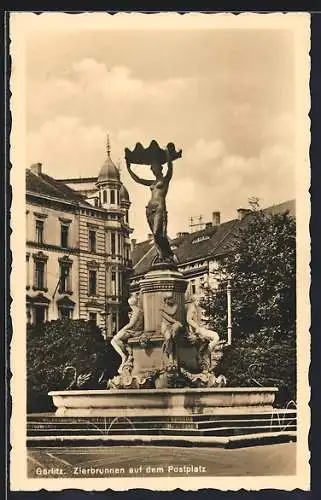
56, 345
262, 272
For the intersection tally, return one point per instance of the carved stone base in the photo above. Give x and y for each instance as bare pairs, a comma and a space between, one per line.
166, 354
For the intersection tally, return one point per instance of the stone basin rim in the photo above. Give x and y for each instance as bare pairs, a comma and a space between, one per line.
124, 392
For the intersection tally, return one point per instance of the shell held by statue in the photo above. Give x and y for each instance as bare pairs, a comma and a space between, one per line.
153, 154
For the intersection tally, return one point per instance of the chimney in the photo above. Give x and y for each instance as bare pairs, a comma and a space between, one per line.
133, 243
150, 236
242, 212
216, 219
36, 168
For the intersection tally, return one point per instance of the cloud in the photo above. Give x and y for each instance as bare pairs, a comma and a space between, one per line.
205, 151
223, 181
100, 94
233, 148
67, 147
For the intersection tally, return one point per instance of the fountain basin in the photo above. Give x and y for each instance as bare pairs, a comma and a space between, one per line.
163, 402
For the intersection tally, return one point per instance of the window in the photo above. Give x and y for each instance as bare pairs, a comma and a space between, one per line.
113, 283
39, 274
114, 322
27, 271
119, 244
96, 202
193, 287
117, 197
199, 239
39, 231
113, 243
40, 269
104, 196
65, 313
65, 277
93, 317
28, 315
92, 282
39, 314
64, 235
112, 196
92, 241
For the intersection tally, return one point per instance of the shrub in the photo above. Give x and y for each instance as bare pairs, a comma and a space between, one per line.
262, 271
53, 346
260, 361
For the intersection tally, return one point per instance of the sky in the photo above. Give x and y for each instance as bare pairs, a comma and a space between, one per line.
225, 97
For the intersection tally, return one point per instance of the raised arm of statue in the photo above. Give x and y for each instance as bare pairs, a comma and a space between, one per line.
144, 182
169, 173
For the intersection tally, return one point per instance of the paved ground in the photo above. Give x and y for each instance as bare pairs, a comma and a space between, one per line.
117, 461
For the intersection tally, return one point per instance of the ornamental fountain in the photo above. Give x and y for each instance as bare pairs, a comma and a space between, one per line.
169, 358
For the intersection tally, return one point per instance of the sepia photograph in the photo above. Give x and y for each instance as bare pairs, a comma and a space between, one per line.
160, 244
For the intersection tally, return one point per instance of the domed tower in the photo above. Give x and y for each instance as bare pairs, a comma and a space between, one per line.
124, 202
108, 183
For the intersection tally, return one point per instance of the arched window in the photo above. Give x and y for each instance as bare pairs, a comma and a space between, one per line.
104, 196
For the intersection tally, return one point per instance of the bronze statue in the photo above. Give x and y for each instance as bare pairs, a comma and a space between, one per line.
156, 212
133, 327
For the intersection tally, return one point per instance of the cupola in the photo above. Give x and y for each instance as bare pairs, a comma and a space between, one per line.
109, 171
123, 194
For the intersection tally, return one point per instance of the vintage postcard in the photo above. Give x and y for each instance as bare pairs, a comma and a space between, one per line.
160, 238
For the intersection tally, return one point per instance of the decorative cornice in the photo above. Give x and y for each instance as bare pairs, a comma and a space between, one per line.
40, 215
93, 264
65, 260
40, 256
50, 199
64, 220
94, 303
164, 285
47, 246
91, 225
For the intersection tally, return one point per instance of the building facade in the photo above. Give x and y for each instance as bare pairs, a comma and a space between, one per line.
199, 253
78, 249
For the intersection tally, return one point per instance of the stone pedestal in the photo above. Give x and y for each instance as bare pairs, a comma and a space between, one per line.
147, 349
164, 354
147, 358
153, 287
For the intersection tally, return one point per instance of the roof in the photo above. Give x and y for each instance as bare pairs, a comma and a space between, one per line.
123, 193
209, 242
286, 206
187, 248
43, 184
79, 180
140, 250
109, 171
